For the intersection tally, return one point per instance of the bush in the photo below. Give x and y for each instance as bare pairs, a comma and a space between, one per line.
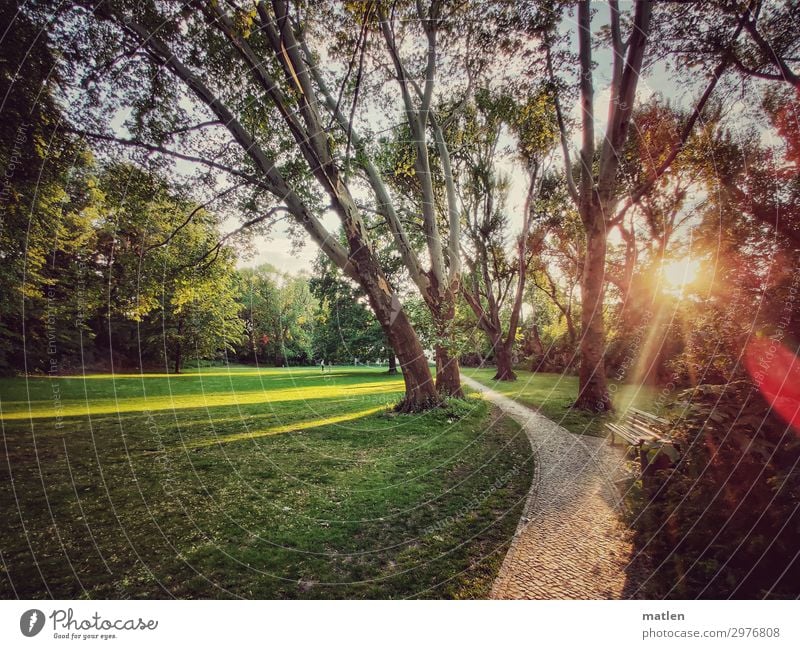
723, 522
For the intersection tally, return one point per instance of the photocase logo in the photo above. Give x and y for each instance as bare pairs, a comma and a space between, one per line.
31, 622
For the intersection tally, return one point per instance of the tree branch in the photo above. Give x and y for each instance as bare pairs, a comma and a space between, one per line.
767, 50
215, 250
191, 215
383, 199
587, 101
562, 129
417, 121
636, 195
275, 182
622, 100
155, 148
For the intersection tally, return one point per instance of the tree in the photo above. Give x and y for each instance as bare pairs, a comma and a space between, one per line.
43, 193
698, 32
557, 244
497, 279
651, 236
747, 228
344, 328
162, 289
269, 52
440, 285
596, 192
601, 198
279, 311
201, 314
260, 311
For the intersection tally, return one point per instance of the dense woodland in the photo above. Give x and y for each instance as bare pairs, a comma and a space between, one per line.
605, 189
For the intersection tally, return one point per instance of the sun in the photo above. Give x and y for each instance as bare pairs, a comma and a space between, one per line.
678, 274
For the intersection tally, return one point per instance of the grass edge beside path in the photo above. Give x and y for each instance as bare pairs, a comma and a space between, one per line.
553, 394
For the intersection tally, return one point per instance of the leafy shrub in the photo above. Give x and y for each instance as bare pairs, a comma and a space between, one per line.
724, 521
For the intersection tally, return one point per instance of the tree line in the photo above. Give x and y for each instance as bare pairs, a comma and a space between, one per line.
131, 277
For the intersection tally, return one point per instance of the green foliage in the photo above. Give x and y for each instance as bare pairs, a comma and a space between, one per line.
42, 190
123, 269
531, 119
749, 231
702, 32
345, 328
278, 311
153, 251
724, 521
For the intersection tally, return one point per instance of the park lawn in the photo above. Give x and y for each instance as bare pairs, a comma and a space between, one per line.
256, 483
552, 395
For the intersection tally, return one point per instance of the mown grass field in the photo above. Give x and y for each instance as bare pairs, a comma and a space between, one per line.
552, 395
257, 483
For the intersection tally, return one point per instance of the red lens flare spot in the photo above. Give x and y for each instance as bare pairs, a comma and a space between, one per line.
776, 371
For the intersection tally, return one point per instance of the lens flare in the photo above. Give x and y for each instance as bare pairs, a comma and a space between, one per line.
776, 371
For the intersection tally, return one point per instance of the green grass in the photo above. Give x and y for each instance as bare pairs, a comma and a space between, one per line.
552, 395
244, 482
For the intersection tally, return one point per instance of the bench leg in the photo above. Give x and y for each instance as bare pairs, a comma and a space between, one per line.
643, 460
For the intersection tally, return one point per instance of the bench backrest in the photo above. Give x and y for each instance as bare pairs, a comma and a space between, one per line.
644, 422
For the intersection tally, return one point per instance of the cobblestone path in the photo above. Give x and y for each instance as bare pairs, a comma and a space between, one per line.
569, 543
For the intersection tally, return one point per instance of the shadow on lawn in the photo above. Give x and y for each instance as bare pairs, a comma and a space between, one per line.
349, 393
293, 427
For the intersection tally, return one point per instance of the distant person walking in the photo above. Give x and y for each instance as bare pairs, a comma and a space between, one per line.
322, 365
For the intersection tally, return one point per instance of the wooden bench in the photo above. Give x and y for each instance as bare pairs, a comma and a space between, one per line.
642, 430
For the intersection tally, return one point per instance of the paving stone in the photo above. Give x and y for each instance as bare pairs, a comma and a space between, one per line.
570, 542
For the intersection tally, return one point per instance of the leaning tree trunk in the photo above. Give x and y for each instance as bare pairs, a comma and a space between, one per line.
421, 392
420, 389
593, 388
502, 355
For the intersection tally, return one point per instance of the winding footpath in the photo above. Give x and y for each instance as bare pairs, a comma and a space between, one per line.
570, 543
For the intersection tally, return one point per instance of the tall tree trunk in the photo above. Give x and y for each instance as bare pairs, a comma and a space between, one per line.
536, 346
593, 393
502, 355
392, 362
571, 333
366, 270
596, 195
178, 355
420, 390
448, 375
